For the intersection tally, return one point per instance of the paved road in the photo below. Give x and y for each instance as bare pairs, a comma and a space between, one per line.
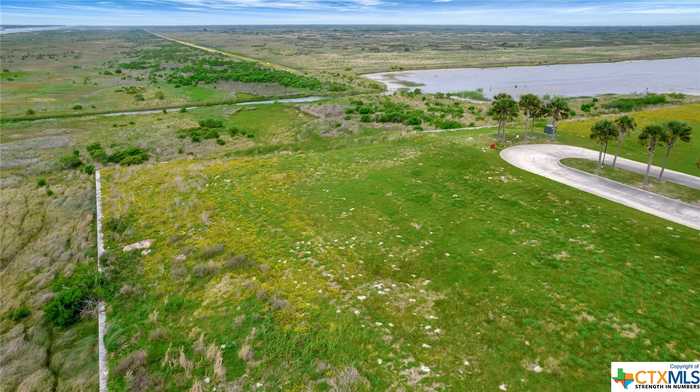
544, 159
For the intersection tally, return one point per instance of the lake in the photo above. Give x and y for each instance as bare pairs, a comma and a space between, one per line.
26, 29
680, 75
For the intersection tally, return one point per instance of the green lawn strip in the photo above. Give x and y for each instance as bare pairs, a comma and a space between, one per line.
513, 270
665, 188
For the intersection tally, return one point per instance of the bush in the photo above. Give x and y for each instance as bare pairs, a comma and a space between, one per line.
89, 169
30, 112
71, 295
211, 123
70, 161
41, 182
220, 142
129, 156
77, 107
630, 104
18, 314
235, 131
97, 153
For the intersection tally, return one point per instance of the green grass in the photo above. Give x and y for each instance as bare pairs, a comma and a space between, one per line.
375, 247
684, 157
665, 188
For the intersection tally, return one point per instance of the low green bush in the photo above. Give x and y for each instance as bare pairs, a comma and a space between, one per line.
630, 104
89, 169
70, 161
72, 294
211, 123
96, 152
129, 156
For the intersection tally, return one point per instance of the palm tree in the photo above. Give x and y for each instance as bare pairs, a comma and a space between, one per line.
503, 109
559, 109
531, 105
603, 132
651, 135
676, 130
625, 126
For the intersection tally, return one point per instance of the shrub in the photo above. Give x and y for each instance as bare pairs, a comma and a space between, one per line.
211, 123
70, 161
97, 153
160, 95
630, 104
49, 192
220, 142
18, 314
235, 131
129, 156
77, 107
41, 182
89, 169
448, 124
30, 112
71, 295
139, 97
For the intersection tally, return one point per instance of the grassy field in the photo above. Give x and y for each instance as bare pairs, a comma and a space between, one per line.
49, 229
352, 50
685, 156
54, 73
423, 262
665, 188
328, 245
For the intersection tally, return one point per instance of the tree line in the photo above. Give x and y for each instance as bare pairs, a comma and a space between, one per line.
505, 109
652, 137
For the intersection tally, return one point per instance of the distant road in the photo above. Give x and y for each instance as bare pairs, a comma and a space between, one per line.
225, 53
544, 160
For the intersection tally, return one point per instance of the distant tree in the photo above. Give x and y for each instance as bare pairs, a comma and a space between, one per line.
625, 125
503, 109
559, 109
650, 137
30, 112
531, 105
603, 132
675, 131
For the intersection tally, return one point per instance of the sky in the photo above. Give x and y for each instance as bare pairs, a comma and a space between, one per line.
460, 12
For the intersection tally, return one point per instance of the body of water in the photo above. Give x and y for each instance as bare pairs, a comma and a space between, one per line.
26, 29
681, 75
